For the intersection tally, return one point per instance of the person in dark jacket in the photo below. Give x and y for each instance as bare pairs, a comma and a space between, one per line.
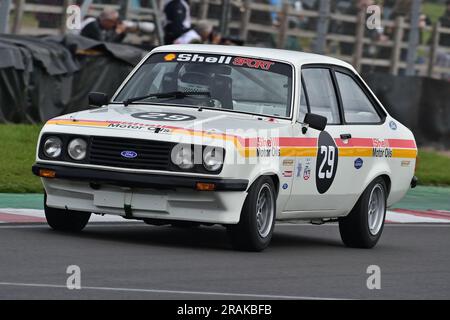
176, 12
107, 27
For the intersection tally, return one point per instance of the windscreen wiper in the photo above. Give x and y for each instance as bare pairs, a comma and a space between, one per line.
174, 94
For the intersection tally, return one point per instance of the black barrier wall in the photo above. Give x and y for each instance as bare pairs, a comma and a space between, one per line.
422, 104
41, 78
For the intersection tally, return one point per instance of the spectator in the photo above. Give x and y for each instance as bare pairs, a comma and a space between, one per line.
201, 33
107, 27
178, 20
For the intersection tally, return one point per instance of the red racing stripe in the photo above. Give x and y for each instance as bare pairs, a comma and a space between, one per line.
427, 214
17, 218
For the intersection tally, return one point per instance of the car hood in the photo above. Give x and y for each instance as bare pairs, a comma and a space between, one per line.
153, 119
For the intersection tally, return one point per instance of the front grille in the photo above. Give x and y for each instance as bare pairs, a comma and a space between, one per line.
151, 155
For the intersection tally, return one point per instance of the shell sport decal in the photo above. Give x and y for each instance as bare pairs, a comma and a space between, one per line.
163, 116
327, 162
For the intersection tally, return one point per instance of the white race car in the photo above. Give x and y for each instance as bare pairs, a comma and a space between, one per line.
235, 136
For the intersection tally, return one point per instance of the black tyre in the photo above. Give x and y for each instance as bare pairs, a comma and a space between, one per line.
362, 228
65, 220
255, 228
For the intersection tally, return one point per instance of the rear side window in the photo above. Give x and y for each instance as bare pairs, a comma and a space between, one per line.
357, 106
321, 94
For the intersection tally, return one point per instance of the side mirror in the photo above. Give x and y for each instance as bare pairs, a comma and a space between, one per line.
98, 99
315, 121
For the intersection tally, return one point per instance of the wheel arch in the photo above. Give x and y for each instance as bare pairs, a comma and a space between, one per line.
273, 176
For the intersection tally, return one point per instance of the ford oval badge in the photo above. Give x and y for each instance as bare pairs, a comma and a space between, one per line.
128, 154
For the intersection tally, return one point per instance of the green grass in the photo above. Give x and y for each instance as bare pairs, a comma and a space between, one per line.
433, 169
18, 143
433, 10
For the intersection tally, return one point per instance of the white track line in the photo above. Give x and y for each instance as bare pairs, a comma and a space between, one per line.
181, 292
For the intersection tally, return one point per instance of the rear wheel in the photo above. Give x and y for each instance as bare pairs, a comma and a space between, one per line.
362, 228
255, 228
65, 220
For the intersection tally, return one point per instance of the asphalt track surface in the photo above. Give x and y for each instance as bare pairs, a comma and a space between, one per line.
136, 261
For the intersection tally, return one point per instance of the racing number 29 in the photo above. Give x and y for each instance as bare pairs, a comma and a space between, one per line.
329, 154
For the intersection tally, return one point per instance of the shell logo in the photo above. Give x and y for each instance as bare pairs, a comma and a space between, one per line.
169, 57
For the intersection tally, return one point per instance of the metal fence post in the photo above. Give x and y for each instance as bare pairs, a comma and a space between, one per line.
245, 20
18, 15
396, 49
322, 26
63, 27
434, 44
413, 41
359, 43
158, 25
204, 7
226, 8
5, 6
281, 41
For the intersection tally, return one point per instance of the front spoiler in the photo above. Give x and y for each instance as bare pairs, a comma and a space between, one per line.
98, 177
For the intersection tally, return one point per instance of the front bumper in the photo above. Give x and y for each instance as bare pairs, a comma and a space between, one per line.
138, 180
141, 196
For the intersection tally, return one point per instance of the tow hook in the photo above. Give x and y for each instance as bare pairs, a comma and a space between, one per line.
414, 182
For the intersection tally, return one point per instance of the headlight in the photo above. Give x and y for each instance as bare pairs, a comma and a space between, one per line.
52, 147
77, 149
182, 156
213, 158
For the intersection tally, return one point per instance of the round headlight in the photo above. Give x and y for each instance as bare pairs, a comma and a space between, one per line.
52, 147
182, 156
213, 158
77, 149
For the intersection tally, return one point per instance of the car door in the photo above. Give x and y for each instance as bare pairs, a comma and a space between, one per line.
319, 183
363, 140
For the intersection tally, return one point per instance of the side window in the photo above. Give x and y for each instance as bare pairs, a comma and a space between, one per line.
303, 105
357, 106
321, 94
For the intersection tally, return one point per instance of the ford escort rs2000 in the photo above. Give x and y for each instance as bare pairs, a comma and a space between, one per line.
235, 136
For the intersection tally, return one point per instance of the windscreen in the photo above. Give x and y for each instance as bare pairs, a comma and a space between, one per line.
234, 83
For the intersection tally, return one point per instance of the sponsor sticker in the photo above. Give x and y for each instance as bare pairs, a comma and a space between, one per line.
307, 170
393, 125
139, 126
287, 173
285, 186
288, 163
381, 149
299, 169
169, 57
220, 59
406, 163
266, 148
307, 173
359, 163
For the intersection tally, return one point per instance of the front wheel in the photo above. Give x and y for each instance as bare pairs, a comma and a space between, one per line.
362, 228
255, 228
65, 220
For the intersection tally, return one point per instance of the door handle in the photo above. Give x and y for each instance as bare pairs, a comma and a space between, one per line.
346, 136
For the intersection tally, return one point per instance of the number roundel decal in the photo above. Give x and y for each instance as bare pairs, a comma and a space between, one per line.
327, 162
163, 116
